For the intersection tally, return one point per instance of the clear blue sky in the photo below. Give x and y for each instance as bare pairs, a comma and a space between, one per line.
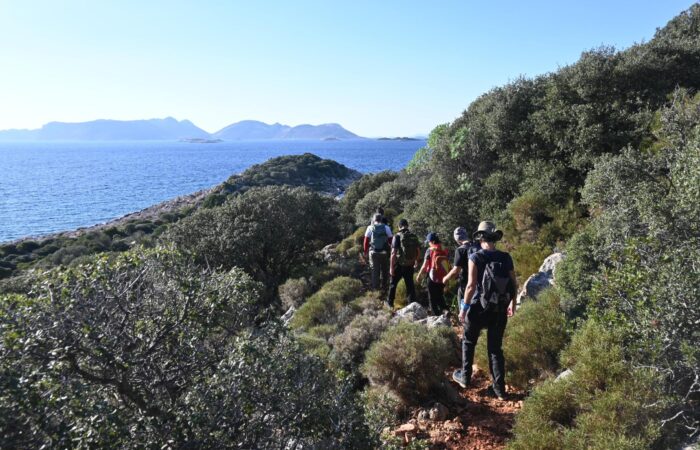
379, 67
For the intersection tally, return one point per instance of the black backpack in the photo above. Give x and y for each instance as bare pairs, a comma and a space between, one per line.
409, 249
497, 287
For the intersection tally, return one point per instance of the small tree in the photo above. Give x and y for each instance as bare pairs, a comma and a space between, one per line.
267, 231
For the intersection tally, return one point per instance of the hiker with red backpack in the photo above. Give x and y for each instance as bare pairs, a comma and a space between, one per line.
405, 254
376, 246
436, 265
490, 294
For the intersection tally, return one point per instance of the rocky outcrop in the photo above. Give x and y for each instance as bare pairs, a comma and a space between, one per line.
543, 279
287, 317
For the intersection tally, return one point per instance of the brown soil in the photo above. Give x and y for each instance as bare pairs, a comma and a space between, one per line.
483, 423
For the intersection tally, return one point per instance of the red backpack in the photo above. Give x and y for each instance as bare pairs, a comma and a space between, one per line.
439, 264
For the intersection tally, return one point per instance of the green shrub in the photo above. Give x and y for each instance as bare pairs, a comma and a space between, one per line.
527, 259
410, 359
348, 288
325, 331
533, 339
326, 305
577, 272
349, 347
382, 408
25, 247
391, 195
8, 249
355, 240
314, 345
269, 231
605, 403
293, 292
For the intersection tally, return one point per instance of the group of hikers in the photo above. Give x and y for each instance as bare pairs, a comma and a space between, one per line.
486, 286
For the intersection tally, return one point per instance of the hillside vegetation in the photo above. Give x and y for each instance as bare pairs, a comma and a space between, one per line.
179, 344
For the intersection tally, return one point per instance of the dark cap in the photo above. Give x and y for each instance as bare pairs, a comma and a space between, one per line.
432, 237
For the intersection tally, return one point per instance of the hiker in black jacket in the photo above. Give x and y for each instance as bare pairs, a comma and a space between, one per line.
490, 294
405, 254
460, 265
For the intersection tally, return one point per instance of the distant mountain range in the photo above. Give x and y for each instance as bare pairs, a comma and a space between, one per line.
252, 129
172, 129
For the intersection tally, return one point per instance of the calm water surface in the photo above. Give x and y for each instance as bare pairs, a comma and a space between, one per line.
54, 186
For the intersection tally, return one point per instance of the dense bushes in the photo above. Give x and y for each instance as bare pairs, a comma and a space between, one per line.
604, 403
410, 359
140, 350
533, 339
391, 195
356, 192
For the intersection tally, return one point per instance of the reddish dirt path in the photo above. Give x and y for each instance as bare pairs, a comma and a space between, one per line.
483, 423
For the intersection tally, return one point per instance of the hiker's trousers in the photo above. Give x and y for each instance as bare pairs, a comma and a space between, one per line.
495, 324
404, 273
436, 297
379, 266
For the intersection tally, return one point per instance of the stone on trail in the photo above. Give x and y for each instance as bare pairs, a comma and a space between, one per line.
436, 321
438, 412
412, 313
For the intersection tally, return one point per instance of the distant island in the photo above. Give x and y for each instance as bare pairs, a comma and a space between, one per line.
201, 141
172, 129
399, 139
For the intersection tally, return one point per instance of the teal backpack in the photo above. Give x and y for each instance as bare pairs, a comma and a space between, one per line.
379, 239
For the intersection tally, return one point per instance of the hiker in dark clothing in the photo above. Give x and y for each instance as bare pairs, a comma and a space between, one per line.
491, 276
461, 261
376, 247
436, 265
405, 253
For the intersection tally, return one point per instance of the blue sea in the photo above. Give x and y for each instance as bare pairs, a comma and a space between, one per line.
47, 187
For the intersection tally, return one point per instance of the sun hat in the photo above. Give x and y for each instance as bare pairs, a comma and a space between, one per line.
489, 229
460, 234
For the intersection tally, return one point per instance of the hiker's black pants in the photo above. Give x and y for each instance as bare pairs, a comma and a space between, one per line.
404, 273
436, 297
495, 324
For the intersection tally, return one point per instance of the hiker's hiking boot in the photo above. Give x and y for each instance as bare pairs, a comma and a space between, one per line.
491, 392
458, 377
